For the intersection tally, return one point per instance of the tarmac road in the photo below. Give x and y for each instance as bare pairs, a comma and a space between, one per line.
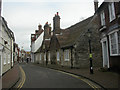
38, 77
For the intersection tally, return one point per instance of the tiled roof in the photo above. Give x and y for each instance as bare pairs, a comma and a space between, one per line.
39, 31
70, 35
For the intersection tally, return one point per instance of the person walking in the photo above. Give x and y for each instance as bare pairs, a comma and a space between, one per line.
27, 60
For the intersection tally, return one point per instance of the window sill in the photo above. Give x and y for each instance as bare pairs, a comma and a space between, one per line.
5, 64
58, 59
115, 55
67, 60
112, 20
102, 28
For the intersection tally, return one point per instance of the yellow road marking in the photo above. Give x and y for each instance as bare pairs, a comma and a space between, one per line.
23, 79
89, 83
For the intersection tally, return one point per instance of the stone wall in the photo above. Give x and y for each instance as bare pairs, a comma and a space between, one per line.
82, 46
37, 57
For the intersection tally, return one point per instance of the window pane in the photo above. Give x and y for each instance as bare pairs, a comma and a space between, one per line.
45, 56
66, 55
102, 19
113, 43
4, 58
58, 58
111, 11
40, 56
49, 56
9, 58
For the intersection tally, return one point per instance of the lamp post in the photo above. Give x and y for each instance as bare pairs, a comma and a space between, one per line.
90, 51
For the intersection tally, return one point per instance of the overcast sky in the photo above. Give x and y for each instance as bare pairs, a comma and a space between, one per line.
24, 16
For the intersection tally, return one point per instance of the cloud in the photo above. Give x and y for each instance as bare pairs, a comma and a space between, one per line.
52, 0
23, 16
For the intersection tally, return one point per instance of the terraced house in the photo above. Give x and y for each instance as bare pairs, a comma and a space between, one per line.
109, 29
69, 47
36, 41
0, 41
7, 44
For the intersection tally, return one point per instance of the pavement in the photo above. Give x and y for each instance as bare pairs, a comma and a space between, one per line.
11, 77
106, 79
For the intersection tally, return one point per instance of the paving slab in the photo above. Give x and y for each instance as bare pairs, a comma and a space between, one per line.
11, 77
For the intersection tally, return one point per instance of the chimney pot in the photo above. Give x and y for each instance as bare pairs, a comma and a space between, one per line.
57, 13
46, 22
39, 27
95, 5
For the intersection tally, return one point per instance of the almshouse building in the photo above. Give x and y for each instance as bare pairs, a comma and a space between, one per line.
69, 47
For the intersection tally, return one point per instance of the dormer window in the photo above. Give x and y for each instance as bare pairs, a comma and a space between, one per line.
111, 11
102, 16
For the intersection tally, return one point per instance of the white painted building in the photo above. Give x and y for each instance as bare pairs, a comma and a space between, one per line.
16, 52
1, 47
36, 44
6, 47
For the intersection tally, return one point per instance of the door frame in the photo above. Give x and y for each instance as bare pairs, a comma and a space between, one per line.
102, 41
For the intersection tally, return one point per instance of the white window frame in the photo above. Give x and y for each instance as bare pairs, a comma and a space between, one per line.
102, 16
44, 56
66, 55
111, 11
4, 58
48, 56
58, 56
8, 58
40, 57
102, 41
115, 32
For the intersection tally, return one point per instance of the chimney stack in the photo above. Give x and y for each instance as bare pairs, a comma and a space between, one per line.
56, 23
39, 27
36, 31
46, 31
95, 5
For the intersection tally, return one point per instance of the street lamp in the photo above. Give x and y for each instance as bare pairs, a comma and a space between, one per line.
90, 51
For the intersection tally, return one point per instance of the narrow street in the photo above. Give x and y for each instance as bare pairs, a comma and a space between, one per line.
39, 77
